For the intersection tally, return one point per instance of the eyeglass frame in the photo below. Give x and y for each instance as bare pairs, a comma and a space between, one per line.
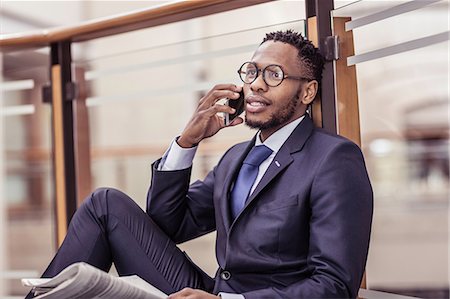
262, 71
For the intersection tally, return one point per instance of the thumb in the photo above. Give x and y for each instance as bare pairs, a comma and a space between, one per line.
236, 121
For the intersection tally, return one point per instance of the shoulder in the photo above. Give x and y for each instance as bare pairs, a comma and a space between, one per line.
324, 146
327, 141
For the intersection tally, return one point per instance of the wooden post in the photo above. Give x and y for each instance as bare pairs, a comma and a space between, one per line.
346, 84
63, 143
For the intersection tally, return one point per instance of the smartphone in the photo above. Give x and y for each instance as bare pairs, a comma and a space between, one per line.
238, 105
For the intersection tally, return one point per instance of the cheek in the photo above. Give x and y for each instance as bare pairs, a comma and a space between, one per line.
283, 98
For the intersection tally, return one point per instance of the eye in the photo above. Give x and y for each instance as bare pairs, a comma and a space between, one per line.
274, 75
251, 72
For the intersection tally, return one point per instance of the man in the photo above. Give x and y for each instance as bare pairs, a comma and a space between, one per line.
292, 207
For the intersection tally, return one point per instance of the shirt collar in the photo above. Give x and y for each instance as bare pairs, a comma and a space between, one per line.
277, 139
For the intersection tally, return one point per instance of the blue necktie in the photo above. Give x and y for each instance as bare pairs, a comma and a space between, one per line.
246, 177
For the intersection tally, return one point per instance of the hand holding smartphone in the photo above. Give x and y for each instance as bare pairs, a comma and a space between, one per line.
238, 105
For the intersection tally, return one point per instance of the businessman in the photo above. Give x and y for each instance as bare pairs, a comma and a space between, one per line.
292, 207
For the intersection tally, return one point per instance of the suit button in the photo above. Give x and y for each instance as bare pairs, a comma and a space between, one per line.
225, 275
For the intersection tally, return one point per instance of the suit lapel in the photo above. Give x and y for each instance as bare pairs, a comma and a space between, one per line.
280, 162
283, 158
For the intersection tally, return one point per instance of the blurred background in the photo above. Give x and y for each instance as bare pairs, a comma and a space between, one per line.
142, 87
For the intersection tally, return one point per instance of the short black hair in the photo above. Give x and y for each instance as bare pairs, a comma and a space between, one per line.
309, 56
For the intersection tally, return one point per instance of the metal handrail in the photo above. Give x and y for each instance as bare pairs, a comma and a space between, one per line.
126, 22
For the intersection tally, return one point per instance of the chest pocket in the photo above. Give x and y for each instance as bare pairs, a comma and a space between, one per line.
281, 203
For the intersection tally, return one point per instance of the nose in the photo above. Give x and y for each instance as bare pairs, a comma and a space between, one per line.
259, 85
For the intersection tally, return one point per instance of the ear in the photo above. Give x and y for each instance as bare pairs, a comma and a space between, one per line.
308, 93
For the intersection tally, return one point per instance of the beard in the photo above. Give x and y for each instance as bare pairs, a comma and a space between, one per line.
276, 119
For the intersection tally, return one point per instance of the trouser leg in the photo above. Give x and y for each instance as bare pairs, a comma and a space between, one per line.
110, 227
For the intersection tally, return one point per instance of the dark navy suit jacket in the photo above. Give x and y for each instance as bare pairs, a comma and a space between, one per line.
304, 232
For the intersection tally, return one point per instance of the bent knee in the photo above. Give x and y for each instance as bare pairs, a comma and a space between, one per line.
101, 199
105, 193
110, 200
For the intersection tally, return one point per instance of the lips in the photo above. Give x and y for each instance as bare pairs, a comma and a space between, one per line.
256, 104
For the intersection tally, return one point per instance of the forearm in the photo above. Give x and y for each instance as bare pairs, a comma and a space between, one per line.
177, 157
166, 198
181, 210
169, 186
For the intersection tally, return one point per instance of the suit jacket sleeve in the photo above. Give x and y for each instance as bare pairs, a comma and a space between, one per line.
341, 203
183, 212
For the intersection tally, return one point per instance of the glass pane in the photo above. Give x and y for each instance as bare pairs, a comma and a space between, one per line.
27, 201
413, 24
144, 86
404, 110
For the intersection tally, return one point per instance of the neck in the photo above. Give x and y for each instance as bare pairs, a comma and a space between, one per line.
266, 133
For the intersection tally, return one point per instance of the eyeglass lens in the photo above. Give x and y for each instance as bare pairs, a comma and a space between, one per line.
272, 74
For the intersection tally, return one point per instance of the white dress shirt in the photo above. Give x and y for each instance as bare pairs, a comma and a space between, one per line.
176, 158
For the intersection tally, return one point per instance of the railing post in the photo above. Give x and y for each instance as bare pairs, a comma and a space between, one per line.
63, 142
346, 84
318, 15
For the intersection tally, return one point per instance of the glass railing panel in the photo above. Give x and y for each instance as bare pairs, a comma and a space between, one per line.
27, 199
400, 17
139, 101
404, 112
143, 88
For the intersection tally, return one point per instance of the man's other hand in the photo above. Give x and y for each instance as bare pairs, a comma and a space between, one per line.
192, 294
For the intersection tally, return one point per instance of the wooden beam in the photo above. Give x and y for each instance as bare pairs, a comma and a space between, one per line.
63, 142
346, 84
145, 18
59, 157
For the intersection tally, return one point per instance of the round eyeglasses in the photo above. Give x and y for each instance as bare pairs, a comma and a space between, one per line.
273, 75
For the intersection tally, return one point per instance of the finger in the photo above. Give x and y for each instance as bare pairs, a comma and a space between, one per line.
231, 87
236, 121
217, 95
219, 108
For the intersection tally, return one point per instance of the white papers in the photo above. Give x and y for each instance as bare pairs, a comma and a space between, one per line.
82, 280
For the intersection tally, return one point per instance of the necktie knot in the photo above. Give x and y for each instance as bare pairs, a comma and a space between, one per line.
257, 155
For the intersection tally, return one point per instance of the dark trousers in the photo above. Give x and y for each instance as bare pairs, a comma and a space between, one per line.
109, 227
